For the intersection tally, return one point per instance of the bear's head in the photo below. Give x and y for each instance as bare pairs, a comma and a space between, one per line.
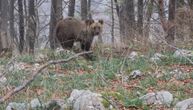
95, 27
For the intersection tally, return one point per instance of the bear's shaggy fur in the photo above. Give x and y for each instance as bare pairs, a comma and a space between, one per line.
70, 30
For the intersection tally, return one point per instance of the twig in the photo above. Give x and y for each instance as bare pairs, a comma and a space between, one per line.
111, 102
122, 66
35, 73
6, 68
174, 47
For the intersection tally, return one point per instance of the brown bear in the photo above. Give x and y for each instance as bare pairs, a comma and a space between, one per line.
71, 30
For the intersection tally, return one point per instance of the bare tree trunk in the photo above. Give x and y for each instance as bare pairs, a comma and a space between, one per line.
127, 20
89, 9
171, 30
168, 26
11, 24
180, 28
148, 18
130, 16
121, 23
71, 8
5, 38
190, 2
52, 25
180, 3
56, 14
140, 17
117, 7
100, 38
84, 10
162, 15
25, 13
113, 21
31, 31
21, 25
1, 45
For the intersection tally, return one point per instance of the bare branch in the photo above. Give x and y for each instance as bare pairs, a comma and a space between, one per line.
36, 73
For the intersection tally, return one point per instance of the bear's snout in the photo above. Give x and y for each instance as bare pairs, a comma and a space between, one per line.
97, 33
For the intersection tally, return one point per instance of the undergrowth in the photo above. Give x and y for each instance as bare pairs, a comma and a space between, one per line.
102, 76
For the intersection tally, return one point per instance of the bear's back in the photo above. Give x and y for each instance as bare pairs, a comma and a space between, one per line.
69, 26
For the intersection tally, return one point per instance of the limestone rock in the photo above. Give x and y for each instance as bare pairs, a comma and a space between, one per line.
158, 98
17, 106
85, 100
185, 105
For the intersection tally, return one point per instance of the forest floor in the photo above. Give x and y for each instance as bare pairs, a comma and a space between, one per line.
108, 75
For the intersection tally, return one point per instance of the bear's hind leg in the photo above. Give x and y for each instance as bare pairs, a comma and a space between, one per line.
86, 46
67, 44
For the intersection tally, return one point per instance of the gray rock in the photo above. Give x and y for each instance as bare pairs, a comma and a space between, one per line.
157, 57
178, 74
17, 66
158, 98
35, 103
85, 100
183, 53
2, 68
3, 80
136, 73
41, 57
59, 50
35, 66
133, 55
17, 106
185, 105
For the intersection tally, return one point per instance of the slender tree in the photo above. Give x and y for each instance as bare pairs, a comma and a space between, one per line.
140, 17
31, 31
84, 10
149, 12
190, 2
162, 15
122, 22
180, 21
127, 20
180, 3
71, 8
5, 38
171, 18
12, 20
168, 25
89, 9
113, 21
1, 45
56, 15
21, 25
117, 7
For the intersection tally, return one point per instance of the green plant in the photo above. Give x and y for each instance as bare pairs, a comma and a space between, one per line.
140, 63
3, 61
26, 58
16, 77
148, 82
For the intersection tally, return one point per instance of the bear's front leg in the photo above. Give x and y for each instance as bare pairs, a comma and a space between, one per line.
85, 46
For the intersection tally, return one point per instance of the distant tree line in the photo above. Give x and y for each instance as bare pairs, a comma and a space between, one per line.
19, 20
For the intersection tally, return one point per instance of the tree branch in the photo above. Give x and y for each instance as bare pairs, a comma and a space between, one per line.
37, 72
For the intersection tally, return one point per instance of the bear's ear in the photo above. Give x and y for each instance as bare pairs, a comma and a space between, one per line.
89, 21
101, 21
